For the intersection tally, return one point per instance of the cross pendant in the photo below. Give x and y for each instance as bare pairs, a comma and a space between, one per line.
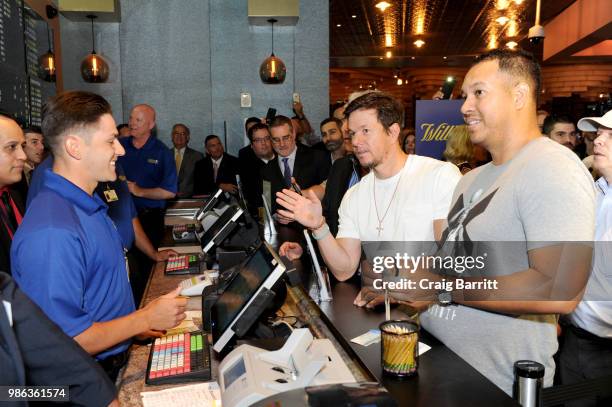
379, 228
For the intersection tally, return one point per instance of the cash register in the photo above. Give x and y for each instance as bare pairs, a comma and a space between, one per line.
248, 374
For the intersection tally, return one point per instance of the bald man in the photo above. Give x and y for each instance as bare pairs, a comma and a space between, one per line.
12, 160
149, 169
151, 176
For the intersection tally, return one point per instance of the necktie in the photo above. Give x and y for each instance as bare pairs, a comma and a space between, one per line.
287, 172
178, 159
215, 170
7, 212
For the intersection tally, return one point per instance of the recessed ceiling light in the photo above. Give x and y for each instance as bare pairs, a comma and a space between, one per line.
419, 43
354, 16
518, 2
412, 57
388, 54
511, 44
380, 58
338, 25
502, 20
400, 81
383, 5
443, 57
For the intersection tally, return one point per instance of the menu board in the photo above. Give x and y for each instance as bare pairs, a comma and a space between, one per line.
23, 39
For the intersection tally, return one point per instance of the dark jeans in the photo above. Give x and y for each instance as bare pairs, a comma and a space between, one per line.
152, 221
584, 356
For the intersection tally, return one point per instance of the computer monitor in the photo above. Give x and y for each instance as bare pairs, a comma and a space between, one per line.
222, 227
209, 205
258, 275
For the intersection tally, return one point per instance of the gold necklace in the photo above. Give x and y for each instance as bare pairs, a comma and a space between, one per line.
380, 221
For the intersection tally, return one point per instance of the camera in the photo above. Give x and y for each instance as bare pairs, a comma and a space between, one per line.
536, 34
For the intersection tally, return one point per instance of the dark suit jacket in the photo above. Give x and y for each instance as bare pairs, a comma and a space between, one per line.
5, 239
251, 167
203, 181
311, 167
185, 175
336, 187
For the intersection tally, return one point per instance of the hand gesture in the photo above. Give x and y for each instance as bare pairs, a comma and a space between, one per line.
164, 255
291, 249
305, 209
166, 311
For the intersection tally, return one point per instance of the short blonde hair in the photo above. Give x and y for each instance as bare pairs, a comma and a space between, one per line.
459, 148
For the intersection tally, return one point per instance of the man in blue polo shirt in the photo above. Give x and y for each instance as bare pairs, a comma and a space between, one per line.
150, 170
67, 255
151, 175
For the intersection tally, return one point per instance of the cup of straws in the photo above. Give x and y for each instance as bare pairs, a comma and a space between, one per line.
399, 351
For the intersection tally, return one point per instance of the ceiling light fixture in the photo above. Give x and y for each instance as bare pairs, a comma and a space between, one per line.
502, 20
382, 5
492, 42
94, 68
512, 29
502, 4
511, 44
388, 54
518, 2
400, 81
354, 16
338, 25
419, 43
272, 69
46, 62
388, 40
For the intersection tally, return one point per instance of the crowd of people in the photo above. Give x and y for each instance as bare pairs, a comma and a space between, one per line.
78, 251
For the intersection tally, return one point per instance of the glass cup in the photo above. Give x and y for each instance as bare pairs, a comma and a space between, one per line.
399, 348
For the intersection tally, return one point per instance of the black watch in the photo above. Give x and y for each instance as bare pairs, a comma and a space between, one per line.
445, 298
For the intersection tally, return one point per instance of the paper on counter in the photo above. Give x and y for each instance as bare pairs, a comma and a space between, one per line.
201, 394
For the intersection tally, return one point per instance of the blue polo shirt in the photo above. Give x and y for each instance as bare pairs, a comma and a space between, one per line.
122, 211
68, 258
151, 166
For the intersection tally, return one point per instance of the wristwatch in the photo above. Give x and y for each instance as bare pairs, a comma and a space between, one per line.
445, 298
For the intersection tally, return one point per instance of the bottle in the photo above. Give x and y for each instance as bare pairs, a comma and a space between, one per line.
528, 379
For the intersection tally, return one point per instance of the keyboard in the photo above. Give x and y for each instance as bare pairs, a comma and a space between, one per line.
183, 264
179, 358
184, 233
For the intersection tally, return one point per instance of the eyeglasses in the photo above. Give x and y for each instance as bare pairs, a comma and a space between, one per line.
278, 140
261, 140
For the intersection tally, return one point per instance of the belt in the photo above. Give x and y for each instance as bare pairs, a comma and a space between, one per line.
584, 334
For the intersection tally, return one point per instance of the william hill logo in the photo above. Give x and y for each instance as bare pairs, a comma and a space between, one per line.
441, 132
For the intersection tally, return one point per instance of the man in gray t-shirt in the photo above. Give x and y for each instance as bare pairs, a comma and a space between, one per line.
534, 193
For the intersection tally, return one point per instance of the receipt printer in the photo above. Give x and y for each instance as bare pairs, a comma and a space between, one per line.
248, 374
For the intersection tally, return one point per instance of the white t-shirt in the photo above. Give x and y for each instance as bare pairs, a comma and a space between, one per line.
423, 195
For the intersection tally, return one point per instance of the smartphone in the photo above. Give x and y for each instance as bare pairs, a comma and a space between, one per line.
296, 97
447, 87
296, 188
270, 115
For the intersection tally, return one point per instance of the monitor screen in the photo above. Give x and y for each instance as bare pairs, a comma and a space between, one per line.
215, 234
262, 270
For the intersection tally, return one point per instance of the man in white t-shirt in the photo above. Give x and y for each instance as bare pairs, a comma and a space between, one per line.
403, 198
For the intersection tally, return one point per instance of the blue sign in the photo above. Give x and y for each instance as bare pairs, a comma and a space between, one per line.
435, 121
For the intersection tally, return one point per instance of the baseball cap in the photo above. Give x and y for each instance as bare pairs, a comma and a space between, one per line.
592, 123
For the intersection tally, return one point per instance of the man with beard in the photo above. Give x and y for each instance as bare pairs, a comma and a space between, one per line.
331, 133
561, 128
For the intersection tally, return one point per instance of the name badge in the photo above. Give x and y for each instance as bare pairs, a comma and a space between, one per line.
111, 195
152, 161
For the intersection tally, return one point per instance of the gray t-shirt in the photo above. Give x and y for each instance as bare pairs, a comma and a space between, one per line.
543, 194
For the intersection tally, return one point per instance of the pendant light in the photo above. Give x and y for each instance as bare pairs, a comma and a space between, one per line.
272, 69
94, 68
46, 62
